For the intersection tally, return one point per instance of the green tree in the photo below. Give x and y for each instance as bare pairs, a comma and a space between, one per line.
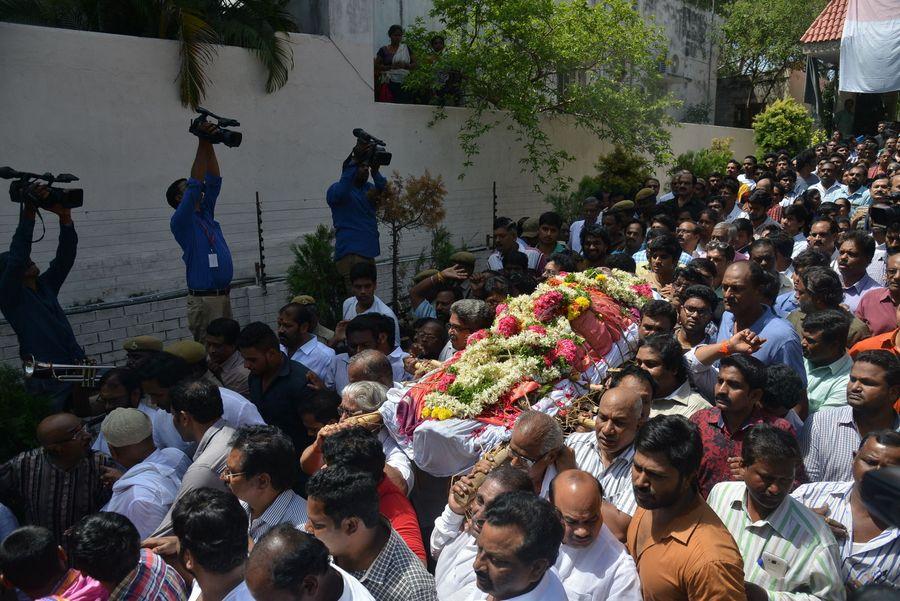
20, 413
261, 26
408, 203
529, 65
314, 272
760, 41
706, 160
621, 172
785, 124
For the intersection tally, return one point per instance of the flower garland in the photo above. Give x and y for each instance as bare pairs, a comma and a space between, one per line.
531, 341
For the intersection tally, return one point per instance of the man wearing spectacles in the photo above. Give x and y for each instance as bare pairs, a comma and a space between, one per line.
537, 446
59, 482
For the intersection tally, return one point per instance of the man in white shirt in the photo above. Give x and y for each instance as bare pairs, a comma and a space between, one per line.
363, 281
591, 211
517, 548
261, 471
453, 540
211, 528
830, 189
505, 241
592, 564
148, 488
748, 177
286, 563
662, 356
793, 221
295, 325
369, 333
788, 551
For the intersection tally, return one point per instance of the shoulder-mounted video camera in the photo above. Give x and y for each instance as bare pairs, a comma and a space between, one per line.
883, 215
23, 188
376, 155
229, 138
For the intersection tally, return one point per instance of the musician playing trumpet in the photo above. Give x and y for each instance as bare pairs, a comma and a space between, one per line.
28, 299
360, 402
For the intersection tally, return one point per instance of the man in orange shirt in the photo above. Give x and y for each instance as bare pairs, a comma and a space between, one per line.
681, 548
881, 342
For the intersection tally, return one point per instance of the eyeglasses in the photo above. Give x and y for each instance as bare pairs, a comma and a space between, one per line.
76, 434
458, 328
228, 475
528, 462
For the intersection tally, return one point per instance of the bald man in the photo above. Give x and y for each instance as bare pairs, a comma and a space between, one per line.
60, 482
453, 540
290, 565
592, 564
537, 446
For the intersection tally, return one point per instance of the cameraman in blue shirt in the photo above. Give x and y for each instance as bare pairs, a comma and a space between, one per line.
353, 212
206, 256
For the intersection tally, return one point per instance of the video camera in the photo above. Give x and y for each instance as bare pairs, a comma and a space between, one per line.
229, 138
376, 155
22, 188
883, 215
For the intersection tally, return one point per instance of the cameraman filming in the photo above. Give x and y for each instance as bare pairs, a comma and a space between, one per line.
206, 256
353, 211
28, 299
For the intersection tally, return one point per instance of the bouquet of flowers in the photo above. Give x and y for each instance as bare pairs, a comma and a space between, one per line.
536, 340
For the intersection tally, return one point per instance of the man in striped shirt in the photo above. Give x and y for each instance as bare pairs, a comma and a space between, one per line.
789, 553
261, 470
869, 549
607, 452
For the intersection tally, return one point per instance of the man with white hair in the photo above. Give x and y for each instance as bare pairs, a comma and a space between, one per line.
538, 446
357, 399
146, 491
466, 316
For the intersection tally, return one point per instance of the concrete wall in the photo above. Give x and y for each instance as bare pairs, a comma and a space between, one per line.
105, 108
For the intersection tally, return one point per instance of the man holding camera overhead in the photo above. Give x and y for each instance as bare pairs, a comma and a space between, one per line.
353, 212
206, 256
28, 298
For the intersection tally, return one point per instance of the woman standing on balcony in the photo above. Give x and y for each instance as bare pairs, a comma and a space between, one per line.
392, 64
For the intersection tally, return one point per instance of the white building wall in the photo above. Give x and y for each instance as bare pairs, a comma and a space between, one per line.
105, 108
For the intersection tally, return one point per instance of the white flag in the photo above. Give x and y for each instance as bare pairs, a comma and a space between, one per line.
870, 47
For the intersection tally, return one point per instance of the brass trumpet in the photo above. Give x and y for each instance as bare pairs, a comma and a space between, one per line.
84, 374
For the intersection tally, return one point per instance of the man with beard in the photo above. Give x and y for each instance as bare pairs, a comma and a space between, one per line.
661, 356
684, 197
744, 309
683, 550
591, 211
785, 548
758, 209
222, 356
878, 307
869, 547
824, 339
592, 564
518, 546
823, 237
740, 386
828, 186
831, 436
454, 538
594, 245
295, 333
433, 295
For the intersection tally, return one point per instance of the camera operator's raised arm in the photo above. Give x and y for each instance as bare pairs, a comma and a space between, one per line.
66, 249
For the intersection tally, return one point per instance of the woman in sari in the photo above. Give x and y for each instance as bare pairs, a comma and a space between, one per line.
392, 64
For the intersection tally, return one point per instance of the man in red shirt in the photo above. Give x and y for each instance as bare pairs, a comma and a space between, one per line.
738, 396
359, 450
877, 307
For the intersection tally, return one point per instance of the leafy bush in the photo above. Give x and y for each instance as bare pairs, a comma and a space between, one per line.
314, 272
705, 161
784, 124
20, 413
622, 172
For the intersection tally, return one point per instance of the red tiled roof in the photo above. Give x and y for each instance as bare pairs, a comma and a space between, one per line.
829, 25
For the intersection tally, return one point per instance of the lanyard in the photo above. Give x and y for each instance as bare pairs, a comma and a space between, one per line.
211, 237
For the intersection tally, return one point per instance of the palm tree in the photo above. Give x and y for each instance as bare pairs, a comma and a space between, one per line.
258, 25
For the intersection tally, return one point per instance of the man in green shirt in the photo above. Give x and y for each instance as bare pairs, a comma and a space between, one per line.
824, 341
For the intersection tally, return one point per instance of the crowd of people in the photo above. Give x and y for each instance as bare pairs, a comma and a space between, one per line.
727, 458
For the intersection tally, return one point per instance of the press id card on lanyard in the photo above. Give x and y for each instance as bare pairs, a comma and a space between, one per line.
213, 260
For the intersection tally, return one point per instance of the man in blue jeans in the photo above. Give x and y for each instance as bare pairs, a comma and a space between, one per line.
206, 256
28, 300
353, 212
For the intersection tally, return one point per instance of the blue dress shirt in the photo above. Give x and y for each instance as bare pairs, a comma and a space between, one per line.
353, 214
199, 235
782, 343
